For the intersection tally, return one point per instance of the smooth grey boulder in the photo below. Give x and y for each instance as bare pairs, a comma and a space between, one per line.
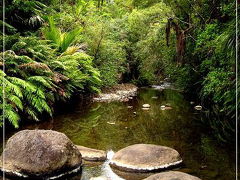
40, 154
145, 157
90, 154
172, 175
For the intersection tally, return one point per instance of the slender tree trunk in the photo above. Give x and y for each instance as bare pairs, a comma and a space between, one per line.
99, 1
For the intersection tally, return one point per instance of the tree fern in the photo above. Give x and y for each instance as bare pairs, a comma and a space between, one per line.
35, 77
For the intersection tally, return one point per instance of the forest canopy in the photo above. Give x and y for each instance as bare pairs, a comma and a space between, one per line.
54, 50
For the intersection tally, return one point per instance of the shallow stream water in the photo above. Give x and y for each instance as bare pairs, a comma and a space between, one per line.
115, 125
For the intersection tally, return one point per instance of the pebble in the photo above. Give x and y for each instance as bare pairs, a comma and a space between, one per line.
166, 107
198, 107
203, 167
163, 107
124, 100
146, 106
112, 123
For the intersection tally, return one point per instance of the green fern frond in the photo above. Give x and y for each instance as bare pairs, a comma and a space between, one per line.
68, 39
16, 100
22, 83
31, 113
40, 80
10, 87
61, 40
52, 33
57, 65
11, 115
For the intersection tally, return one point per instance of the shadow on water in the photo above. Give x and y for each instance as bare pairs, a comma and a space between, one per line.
115, 125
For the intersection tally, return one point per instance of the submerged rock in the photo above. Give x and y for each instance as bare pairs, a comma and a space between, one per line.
90, 154
172, 175
145, 157
40, 153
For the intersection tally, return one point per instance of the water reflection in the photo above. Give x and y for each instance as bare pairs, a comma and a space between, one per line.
111, 126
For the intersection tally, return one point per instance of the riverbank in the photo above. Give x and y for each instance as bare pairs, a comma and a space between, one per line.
120, 92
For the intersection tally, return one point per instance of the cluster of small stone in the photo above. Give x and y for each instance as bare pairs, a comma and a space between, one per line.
47, 154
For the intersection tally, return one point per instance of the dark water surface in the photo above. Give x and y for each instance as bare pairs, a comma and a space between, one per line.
112, 126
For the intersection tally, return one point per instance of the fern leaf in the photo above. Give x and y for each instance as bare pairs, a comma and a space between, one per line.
15, 100
40, 80
12, 116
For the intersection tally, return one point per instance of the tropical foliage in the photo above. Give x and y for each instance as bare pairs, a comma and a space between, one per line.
35, 78
55, 50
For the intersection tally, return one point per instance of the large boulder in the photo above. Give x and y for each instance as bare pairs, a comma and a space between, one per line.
172, 175
90, 154
145, 157
39, 154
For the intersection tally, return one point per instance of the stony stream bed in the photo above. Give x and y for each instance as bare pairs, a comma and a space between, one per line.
111, 126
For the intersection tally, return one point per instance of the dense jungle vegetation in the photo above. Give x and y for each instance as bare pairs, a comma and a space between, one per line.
54, 50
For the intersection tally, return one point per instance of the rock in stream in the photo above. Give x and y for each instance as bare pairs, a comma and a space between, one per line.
40, 154
145, 157
172, 175
90, 154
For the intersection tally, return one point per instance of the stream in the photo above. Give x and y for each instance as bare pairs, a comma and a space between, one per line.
115, 125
